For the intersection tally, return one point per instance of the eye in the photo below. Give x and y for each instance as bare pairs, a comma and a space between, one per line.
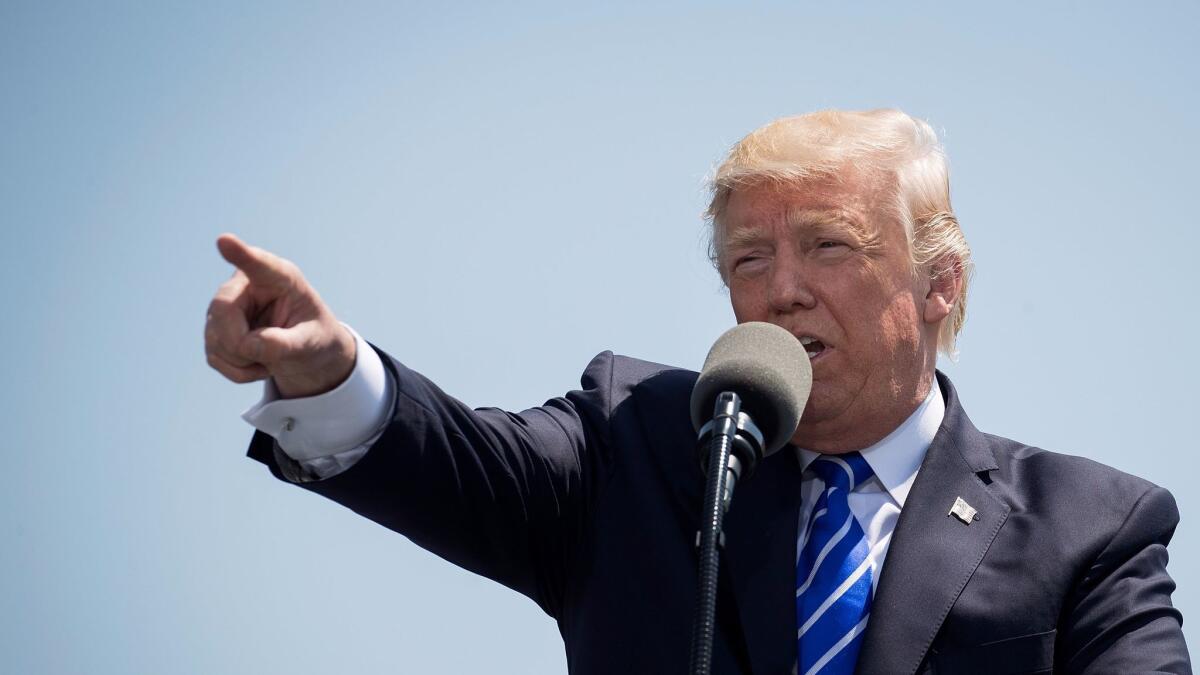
749, 265
830, 249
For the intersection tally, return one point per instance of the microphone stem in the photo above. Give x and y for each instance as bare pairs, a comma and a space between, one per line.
719, 484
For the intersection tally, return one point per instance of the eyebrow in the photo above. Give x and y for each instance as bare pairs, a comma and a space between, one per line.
800, 219
741, 237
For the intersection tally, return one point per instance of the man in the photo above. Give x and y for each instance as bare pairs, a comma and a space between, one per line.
893, 538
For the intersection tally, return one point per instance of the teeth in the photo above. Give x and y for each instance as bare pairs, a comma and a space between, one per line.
806, 340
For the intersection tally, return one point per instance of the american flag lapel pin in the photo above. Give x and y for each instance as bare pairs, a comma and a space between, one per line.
963, 511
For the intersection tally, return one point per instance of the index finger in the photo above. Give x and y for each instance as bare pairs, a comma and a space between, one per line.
260, 265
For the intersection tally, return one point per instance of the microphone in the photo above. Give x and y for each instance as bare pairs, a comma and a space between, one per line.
746, 405
767, 368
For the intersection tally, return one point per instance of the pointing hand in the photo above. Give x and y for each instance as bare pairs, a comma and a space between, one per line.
266, 321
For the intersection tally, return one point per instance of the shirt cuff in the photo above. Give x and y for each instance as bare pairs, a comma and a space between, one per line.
321, 426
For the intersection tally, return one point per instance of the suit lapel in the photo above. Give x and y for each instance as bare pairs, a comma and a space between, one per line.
932, 554
760, 553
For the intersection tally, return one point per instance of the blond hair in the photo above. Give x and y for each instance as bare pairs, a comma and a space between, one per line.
903, 150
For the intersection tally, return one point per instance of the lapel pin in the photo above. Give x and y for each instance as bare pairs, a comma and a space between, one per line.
963, 511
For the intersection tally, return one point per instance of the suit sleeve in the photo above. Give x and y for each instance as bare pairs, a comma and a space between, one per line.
505, 495
1120, 618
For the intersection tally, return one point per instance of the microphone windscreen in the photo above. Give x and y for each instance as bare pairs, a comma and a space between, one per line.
768, 368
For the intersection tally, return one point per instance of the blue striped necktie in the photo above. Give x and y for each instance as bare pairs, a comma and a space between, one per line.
833, 573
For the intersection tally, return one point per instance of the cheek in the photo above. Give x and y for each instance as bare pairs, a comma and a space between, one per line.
748, 303
901, 325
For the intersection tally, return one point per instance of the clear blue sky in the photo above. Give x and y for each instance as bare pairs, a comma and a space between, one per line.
495, 193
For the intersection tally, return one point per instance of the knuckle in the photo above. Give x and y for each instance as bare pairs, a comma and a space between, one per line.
216, 344
218, 308
290, 269
226, 289
223, 313
232, 288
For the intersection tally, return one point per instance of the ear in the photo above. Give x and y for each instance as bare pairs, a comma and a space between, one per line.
945, 288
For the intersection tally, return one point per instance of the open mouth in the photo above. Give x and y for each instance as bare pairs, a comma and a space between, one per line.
812, 346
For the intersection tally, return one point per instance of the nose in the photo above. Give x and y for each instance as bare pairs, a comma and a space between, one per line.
788, 289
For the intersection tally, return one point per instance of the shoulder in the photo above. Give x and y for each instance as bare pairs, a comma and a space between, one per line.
1054, 476
1068, 496
622, 376
1048, 472
636, 403
1088, 506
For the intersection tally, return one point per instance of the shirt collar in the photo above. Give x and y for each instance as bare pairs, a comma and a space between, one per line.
896, 458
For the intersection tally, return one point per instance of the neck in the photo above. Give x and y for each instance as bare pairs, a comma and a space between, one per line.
849, 433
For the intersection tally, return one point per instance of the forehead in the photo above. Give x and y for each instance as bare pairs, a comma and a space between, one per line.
844, 201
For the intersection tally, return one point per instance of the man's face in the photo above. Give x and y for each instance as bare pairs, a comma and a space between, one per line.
827, 261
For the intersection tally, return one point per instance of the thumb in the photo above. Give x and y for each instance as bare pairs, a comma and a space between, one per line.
269, 345
259, 265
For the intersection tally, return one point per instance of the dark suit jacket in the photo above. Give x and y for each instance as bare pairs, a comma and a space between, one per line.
588, 505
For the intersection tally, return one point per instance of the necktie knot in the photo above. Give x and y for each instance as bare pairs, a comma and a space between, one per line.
846, 471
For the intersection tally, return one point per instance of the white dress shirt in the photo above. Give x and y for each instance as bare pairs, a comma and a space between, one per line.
328, 433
